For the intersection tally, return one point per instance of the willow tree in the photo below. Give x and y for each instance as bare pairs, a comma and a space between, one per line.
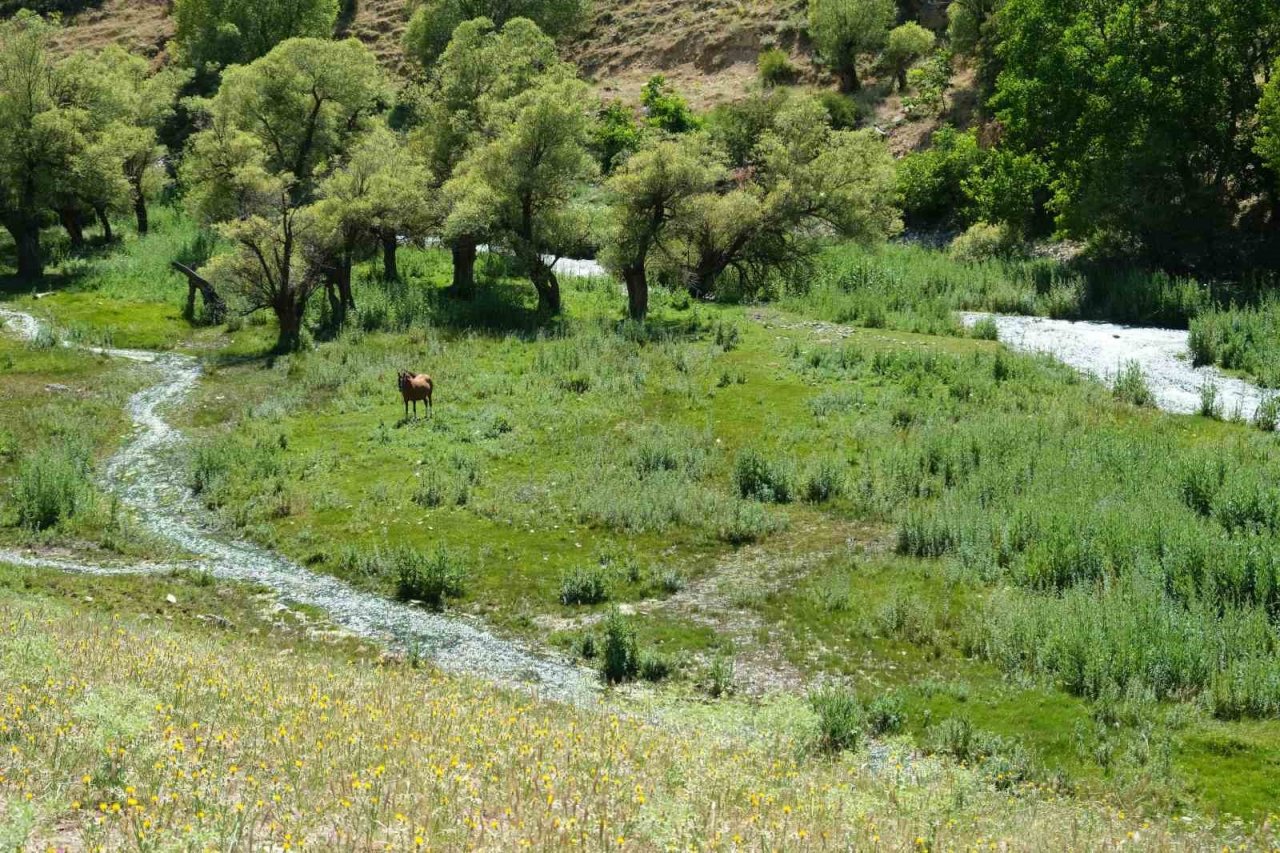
519, 190
369, 201
806, 181
653, 189
129, 104
253, 171
41, 131
458, 109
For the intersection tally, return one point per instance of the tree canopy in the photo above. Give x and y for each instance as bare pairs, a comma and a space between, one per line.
434, 22
843, 30
212, 34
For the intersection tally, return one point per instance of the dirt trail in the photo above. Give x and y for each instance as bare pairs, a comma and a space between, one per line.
146, 472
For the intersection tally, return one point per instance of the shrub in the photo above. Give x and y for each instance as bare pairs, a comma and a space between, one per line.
756, 478
1210, 403
775, 67
745, 521
51, 486
1130, 386
985, 329
1267, 416
823, 482
931, 182
840, 718
719, 681
427, 577
653, 666
619, 659
886, 715
841, 109
584, 585
984, 241
670, 581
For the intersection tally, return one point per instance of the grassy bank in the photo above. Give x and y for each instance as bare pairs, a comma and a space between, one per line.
136, 734
1010, 567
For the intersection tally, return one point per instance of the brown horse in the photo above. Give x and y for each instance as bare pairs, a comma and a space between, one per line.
415, 387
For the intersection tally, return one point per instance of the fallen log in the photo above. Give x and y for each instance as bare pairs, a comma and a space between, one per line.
215, 309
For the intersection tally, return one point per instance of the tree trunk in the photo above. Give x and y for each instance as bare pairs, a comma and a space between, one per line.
105, 222
902, 78
345, 295
26, 240
548, 287
336, 309
848, 76
389, 270
140, 212
215, 309
289, 316
70, 219
464, 269
637, 291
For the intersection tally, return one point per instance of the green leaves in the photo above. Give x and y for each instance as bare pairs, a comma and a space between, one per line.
212, 34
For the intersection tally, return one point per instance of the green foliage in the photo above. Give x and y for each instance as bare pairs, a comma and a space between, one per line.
1130, 385
757, 478
615, 136
886, 714
840, 718
585, 585
844, 30
1268, 144
775, 68
906, 44
984, 241
274, 124
1136, 122
823, 482
428, 577
1243, 339
213, 34
736, 127
433, 22
841, 110
932, 183
930, 80
665, 108
619, 655
51, 486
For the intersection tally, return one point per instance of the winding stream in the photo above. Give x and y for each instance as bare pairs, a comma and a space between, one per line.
146, 472
1102, 348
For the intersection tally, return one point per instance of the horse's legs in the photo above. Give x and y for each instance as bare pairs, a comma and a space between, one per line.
415, 409
406, 410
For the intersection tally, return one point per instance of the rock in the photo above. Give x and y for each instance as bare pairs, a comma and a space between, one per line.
57, 388
171, 599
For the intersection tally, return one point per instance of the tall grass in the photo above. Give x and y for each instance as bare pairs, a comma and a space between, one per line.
51, 486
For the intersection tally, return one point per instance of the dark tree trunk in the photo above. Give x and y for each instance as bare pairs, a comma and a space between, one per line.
548, 287
336, 309
464, 269
848, 77
289, 316
26, 240
140, 212
70, 219
215, 309
343, 279
389, 270
637, 291
902, 78
105, 222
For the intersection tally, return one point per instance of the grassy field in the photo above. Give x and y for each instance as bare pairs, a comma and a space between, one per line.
201, 724
1011, 570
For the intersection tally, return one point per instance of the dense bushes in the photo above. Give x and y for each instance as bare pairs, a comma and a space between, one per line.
51, 486
428, 577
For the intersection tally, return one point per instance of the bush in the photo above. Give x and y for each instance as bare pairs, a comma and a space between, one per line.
743, 522
841, 109
1210, 402
653, 666
719, 681
756, 478
985, 329
619, 659
983, 241
584, 585
823, 482
1130, 386
775, 67
1267, 416
886, 715
666, 108
429, 578
932, 182
840, 718
51, 486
